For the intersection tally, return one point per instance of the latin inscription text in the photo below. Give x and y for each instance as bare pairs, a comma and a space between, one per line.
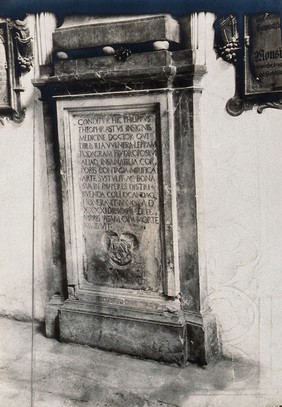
118, 169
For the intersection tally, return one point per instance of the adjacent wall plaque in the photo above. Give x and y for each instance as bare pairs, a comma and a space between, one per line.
264, 54
257, 56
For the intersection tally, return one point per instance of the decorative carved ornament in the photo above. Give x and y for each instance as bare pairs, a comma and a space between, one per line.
257, 57
122, 53
120, 249
230, 44
16, 57
23, 42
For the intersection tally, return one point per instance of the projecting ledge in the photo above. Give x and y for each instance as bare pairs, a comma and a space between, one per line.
140, 71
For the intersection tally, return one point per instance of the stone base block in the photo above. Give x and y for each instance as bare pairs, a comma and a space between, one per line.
161, 341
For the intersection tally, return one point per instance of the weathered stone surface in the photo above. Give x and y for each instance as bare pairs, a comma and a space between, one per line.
126, 314
160, 27
108, 65
148, 70
186, 202
52, 316
128, 194
110, 250
118, 209
118, 183
136, 337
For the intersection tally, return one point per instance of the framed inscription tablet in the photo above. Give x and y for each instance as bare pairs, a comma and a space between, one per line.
116, 178
263, 54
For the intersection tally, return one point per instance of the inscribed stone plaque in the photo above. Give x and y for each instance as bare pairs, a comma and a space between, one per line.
266, 51
116, 175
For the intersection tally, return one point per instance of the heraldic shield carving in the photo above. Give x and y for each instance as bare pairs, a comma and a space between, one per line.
120, 248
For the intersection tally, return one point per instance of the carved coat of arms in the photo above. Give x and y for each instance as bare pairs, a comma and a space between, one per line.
120, 248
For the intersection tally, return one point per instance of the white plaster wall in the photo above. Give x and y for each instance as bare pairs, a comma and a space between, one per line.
239, 191
16, 217
17, 172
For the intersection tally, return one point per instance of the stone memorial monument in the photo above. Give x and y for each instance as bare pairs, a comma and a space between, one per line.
120, 105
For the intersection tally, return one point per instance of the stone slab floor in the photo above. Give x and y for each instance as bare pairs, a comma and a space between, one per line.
68, 375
